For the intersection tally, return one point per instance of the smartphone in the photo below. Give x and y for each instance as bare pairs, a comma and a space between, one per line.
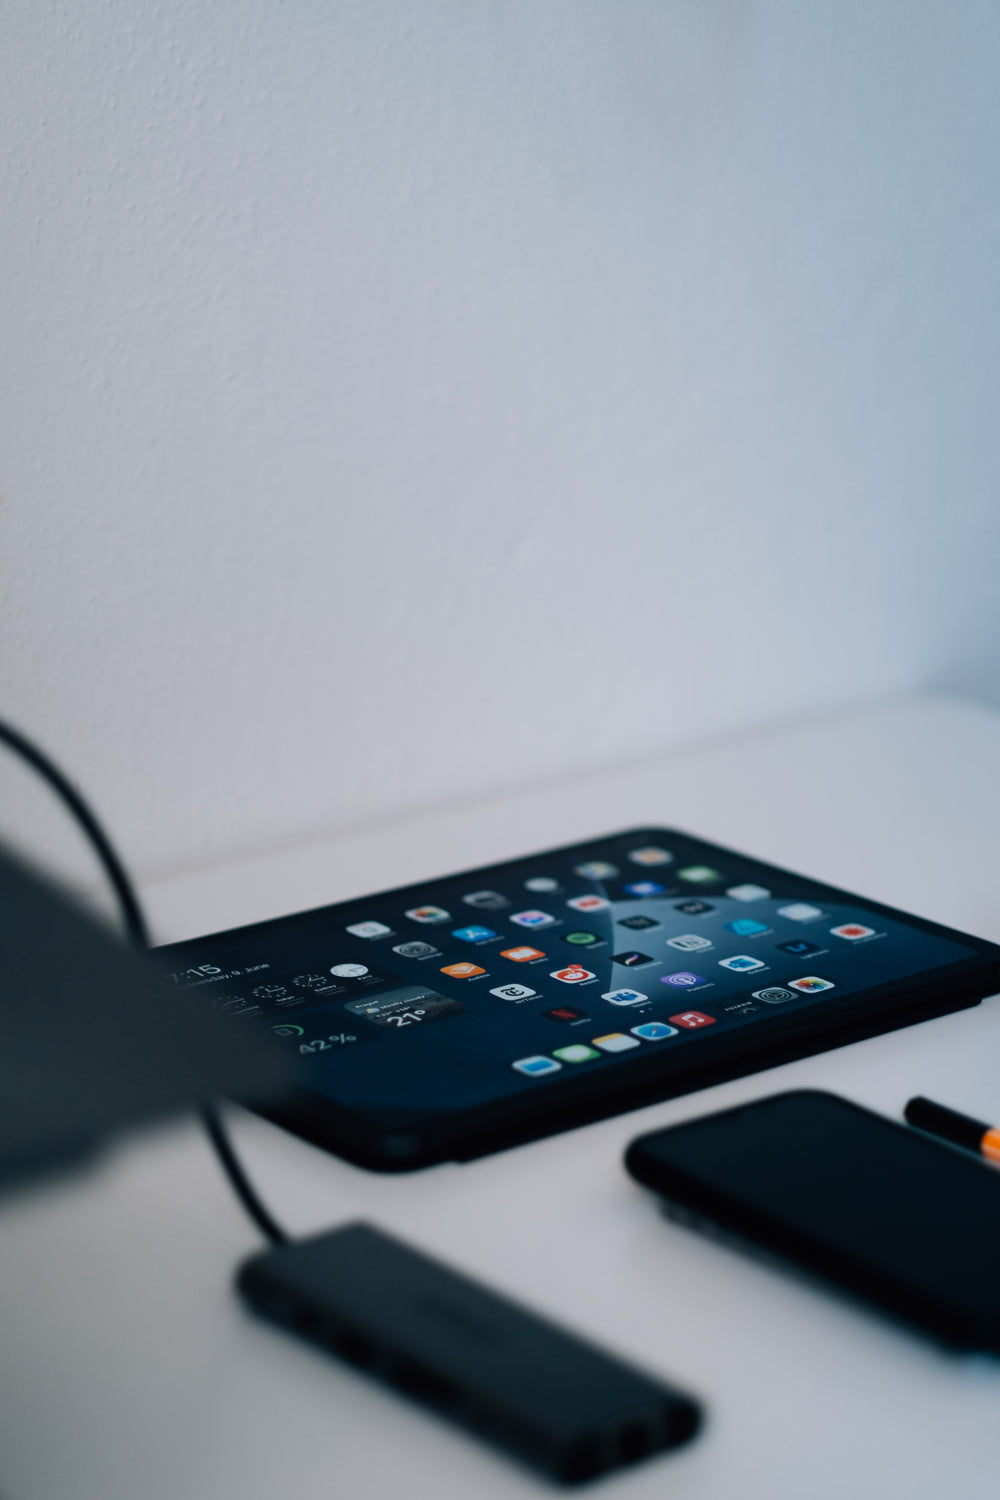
907, 1223
475, 1011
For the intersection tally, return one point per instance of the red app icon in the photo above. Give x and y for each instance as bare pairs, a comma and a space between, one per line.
692, 1019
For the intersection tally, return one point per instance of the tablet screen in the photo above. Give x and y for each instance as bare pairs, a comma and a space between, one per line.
510, 979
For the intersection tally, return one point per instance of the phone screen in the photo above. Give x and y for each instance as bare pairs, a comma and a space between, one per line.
895, 1216
509, 980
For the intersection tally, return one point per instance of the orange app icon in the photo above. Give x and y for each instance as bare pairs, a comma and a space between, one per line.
462, 971
522, 955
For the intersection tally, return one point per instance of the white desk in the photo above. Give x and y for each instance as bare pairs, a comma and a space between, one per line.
129, 1372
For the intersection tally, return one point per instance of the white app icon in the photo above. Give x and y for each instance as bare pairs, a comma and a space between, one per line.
541, 884
370, 929
748, 892
811, 984
615, 1041
650, 855
800, 911
597, 869
428, 914
513, 992
690, 942
624, 997
588, 903
852, 931
349, 971
533, 919
742, 963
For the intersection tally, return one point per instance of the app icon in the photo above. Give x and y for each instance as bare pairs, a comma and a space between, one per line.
654, 1031
581, 939
799, 946
810, 984
773, 996
370, 929
852, 931
565, 1013
746, 927
639, 924
572, 974
486, 900
699, 875
742, 963
541, 884
416, 950
624, 997
692, 1019
462, 971
689, 942
428, 914
650, 855
513, 992
534, 919
473, 934
615, 1041
349, 971
748, 892
800, 911
596, 869
536, 1067
588, 903
683, 979
633, 959
644, 888
576, 1053
694, 908
522, 955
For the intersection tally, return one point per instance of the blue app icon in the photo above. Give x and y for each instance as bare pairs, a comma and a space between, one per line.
645, 888
473, 934
746, 927
654, 1031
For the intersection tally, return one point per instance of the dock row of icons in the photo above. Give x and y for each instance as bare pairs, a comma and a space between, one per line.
539, 1065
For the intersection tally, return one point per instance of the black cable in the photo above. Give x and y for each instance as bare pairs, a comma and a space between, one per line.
135, 926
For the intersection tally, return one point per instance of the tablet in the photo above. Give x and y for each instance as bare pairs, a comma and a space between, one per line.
453, 1018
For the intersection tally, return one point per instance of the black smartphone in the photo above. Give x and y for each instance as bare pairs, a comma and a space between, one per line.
455, 1017
887, 1214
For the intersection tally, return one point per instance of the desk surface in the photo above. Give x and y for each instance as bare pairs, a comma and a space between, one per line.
129, 1372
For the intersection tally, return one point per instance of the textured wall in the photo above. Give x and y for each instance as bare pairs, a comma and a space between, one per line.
408, 398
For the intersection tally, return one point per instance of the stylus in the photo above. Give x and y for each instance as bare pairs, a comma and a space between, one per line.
958, 1130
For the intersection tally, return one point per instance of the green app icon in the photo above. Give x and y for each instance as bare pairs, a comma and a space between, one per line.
582, 939
577, 1053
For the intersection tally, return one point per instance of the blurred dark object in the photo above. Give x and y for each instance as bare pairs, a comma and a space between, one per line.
93, 1038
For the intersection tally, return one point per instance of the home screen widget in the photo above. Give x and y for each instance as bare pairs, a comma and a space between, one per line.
810, 985
486, 900
536, 1067
370, 930
741, 963
699, 875
650, 854
513, 992
541, 884
654, 1031
624, 997
799, 911
746, 927
428, 914
572, 974
615, 1041
852, 931
565, 1013
582, 939
633, 959
596, 869
639, 924
577, 1052
748, 892
695, 908
349, 971
462, 971
799, 946
588, 903
522, 955
644, 888
416, 949
689, 942
533, 919
774, 995
683, 979
692, 1019
473, 934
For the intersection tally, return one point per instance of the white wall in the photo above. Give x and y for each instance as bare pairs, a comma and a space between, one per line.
409, 398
